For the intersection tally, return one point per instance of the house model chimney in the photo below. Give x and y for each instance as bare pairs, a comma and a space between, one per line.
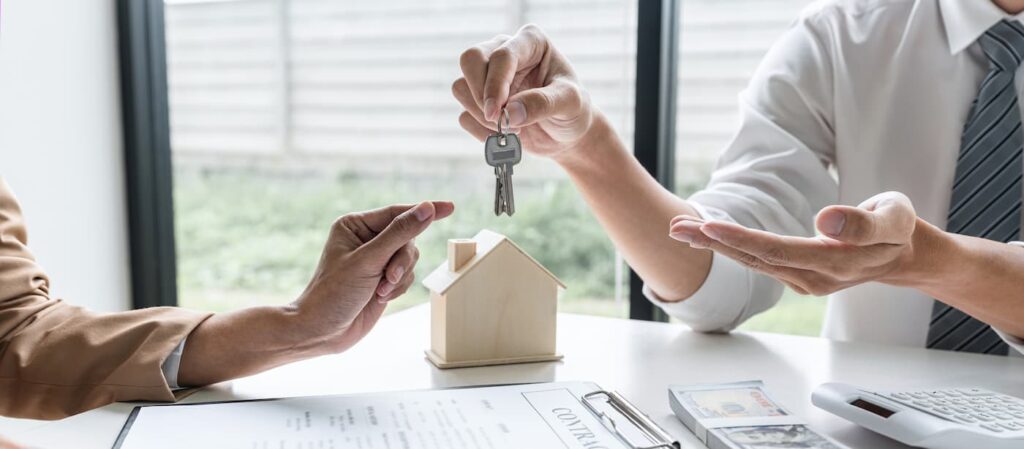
460, 251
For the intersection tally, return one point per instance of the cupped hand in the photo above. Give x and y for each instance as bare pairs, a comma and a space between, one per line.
368, 260
527, 75
871, 242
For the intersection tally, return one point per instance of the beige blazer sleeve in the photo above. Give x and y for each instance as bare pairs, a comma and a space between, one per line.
57, 359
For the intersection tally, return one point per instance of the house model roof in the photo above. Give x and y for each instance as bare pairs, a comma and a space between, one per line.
441, 279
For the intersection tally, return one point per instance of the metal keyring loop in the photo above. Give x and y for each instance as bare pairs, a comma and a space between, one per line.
508, 122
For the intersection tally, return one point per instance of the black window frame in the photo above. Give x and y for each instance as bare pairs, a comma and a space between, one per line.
147, 153
147, 139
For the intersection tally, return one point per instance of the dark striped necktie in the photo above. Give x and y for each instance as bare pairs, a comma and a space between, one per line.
987, 187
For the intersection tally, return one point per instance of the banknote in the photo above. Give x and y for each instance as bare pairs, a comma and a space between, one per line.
795, 436
742, 415
731, 402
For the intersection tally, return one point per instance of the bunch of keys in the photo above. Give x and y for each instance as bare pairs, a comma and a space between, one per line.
502, 151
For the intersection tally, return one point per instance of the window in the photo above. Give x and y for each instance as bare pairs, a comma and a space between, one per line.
719, 49
285, 114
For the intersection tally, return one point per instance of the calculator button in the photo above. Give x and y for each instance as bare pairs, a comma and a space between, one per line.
983, 417
974, 392
967, 418
918, 395
923, 404
1000, 415
992, 427
960, 409
902, 396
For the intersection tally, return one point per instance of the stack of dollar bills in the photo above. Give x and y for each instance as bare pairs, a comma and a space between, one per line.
741, 415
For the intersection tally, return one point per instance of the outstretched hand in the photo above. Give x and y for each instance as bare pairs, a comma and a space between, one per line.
368, 260
870, 242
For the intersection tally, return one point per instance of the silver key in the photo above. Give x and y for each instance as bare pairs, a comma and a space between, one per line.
502, 150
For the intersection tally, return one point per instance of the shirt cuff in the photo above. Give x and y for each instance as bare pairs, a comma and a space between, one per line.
719, 304
172, 364
1016, 343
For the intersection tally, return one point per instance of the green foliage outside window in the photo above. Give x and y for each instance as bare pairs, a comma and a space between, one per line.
248, 238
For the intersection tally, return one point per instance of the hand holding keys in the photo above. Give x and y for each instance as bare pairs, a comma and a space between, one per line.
502, 151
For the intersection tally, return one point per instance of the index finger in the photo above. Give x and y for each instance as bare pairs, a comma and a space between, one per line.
796, 252
473, 63
378, 219
524, 49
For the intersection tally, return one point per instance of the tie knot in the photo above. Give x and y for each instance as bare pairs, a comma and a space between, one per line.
1004, 45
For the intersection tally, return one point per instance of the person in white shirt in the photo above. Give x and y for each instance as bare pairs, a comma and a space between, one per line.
913, 104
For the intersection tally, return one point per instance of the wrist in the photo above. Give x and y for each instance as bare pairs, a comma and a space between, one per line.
306, 333
933, 257
593, 146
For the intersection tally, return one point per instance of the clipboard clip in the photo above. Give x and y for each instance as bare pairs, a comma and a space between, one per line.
656, 436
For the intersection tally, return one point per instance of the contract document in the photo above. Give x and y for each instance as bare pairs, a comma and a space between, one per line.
550, 415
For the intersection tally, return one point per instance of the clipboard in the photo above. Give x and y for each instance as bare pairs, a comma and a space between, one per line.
607, 410
657, 436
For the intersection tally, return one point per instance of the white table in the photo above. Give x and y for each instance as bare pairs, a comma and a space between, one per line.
638, 359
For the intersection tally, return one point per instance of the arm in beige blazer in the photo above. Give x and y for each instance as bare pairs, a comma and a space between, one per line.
57, 359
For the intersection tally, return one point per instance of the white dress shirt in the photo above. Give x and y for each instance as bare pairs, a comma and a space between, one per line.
876, 90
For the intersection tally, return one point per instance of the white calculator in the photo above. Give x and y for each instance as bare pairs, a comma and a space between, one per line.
946, 418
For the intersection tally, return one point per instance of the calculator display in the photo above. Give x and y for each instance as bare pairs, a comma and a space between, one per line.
873, 408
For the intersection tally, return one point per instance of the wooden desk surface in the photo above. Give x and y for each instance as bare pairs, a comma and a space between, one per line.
638, 359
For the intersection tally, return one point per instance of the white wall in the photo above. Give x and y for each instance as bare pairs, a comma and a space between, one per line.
60, 143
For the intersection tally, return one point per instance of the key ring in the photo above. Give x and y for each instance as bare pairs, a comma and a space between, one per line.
508, 122
508, 127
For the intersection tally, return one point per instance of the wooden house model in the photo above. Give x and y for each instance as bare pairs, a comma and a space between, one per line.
491, 304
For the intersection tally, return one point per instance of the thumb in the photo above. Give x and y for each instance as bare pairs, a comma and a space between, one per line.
405, 227
884, 218
562, 99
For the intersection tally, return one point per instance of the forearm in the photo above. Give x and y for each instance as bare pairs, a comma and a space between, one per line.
981, 277
244, 342
635, 211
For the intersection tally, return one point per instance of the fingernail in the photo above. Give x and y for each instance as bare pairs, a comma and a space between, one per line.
681, 218
516, 113
398, 275
489, 109
710, 231
681, 236
832, 222
422, 212
385, 289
